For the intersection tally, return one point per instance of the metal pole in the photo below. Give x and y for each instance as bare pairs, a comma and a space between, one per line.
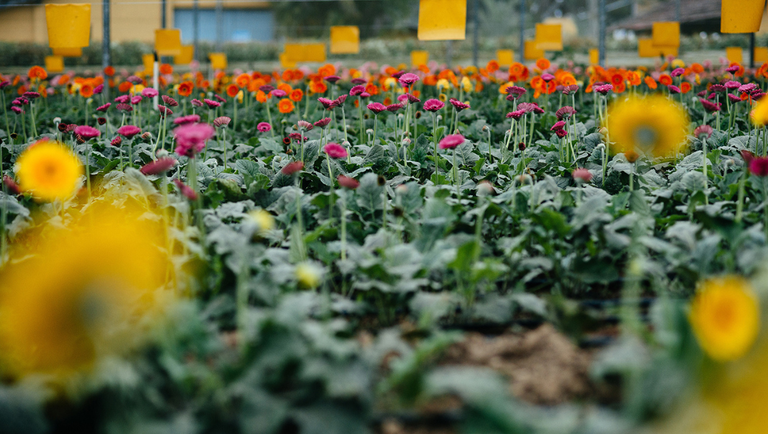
522, 31
106, 53
602, 32
475, 42
164, 6
195, 26
752, 50
677, 10
219, 24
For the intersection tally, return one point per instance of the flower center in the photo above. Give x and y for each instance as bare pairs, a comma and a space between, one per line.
646, 137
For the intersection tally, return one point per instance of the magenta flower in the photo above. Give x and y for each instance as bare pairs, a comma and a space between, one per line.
452, 141
340, 100
530, 107
332, 79
565, 112
334, 150
164, 111
458, 105
516, 115
674, 90
267, 88
407, 79
196, 103
703, 130
186, 190
393, 108
135, 80
125, 108
559, 125
189, 119
191, 138
128, 131
748, 88
322, 123
327, 103
515, 90
123, 99
136, 99
87, 132
306, 126
561, 133
16, 110
433, 105
582, 175
357, 90
31, 95
347, 182
221, 121
759, 166
104, 107
733, 69
718, 88
150, 92
603, 89
709, 106
10, 185
291, 168
264, 127
678, 72
117, 141
219, 99
377, 107
170, 102
158, 167
357, 81
211, 104
547, 77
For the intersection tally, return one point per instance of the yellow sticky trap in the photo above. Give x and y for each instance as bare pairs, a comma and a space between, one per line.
69, 25
735, 54
666, 34
442, 20
149, 63
505, 57
419, 58
549, 37
294, 52
646, 48
168, 42
186, 56
345, 40
314, 52
761, 54
594, 56
218, 60
54, 63
285, 62
532, 51
741, 16
68, 52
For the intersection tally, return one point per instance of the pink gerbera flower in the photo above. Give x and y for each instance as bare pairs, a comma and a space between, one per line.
347, 182
87, 132
264, 127
433, 105
334, 150
186, 190
128, 131
162, 165
149, 92
377, 107
189, 119
291, 168
452, 141
191, 138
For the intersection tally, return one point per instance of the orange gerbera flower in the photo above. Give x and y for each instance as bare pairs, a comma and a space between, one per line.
318, 87
125, 86
697, 68
86, 90
650, 82
619, 88
287, 75
297, 95
285, 87
166, 69
285, 106
298, 75
21, 89
37, 72
109, 71
633, 78
537, 82
665, 79
261, 97
492, 66
243, 80
185, 88
232, 90
567, 79
686, 87
372, 89
617, 79
64, 79
327, 70
543, 64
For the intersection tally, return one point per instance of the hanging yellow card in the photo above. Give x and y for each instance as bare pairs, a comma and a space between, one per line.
442, 20
54, 64
314, 52
168, 42
285, 62
69, 25
505, 57
549, 37
68, 52
345, 40
646, 48
761, 54
666, 34
594, 56
741, 16
218, 60
532, 51
186, 56
149, 63
735, 54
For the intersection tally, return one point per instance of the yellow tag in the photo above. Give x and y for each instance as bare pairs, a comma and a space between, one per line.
168, 42
286, 63
549, 37
532, 51
294, 52
419, 58
345, 40
666, 34
54, 63
314, 52
69, 25
68, 52
186, 56
442, 20
735, 54
149, 63
594, 56
218, 60
505, 57
761, 54
741, 16
646, 48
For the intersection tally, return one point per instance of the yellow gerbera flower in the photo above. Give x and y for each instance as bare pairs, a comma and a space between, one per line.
85, 292
309, 275
655, 126
759, 115
725, 317
49, 171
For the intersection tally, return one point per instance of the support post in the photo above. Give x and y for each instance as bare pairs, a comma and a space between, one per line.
522, 31
219, 24
106, 52
195, 28
476, 29
751, 50
602, 32
677, 10
163, 14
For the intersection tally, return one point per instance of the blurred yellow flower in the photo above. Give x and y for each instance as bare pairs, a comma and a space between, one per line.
654, 126
443, 84
466, 84
263, 220
82, 293
759, 114
49, 171
725, 317
309, 275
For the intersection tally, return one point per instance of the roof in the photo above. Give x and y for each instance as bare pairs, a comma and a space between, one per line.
695, 14
18, 2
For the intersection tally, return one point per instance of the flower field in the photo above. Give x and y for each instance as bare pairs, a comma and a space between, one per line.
541, 248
